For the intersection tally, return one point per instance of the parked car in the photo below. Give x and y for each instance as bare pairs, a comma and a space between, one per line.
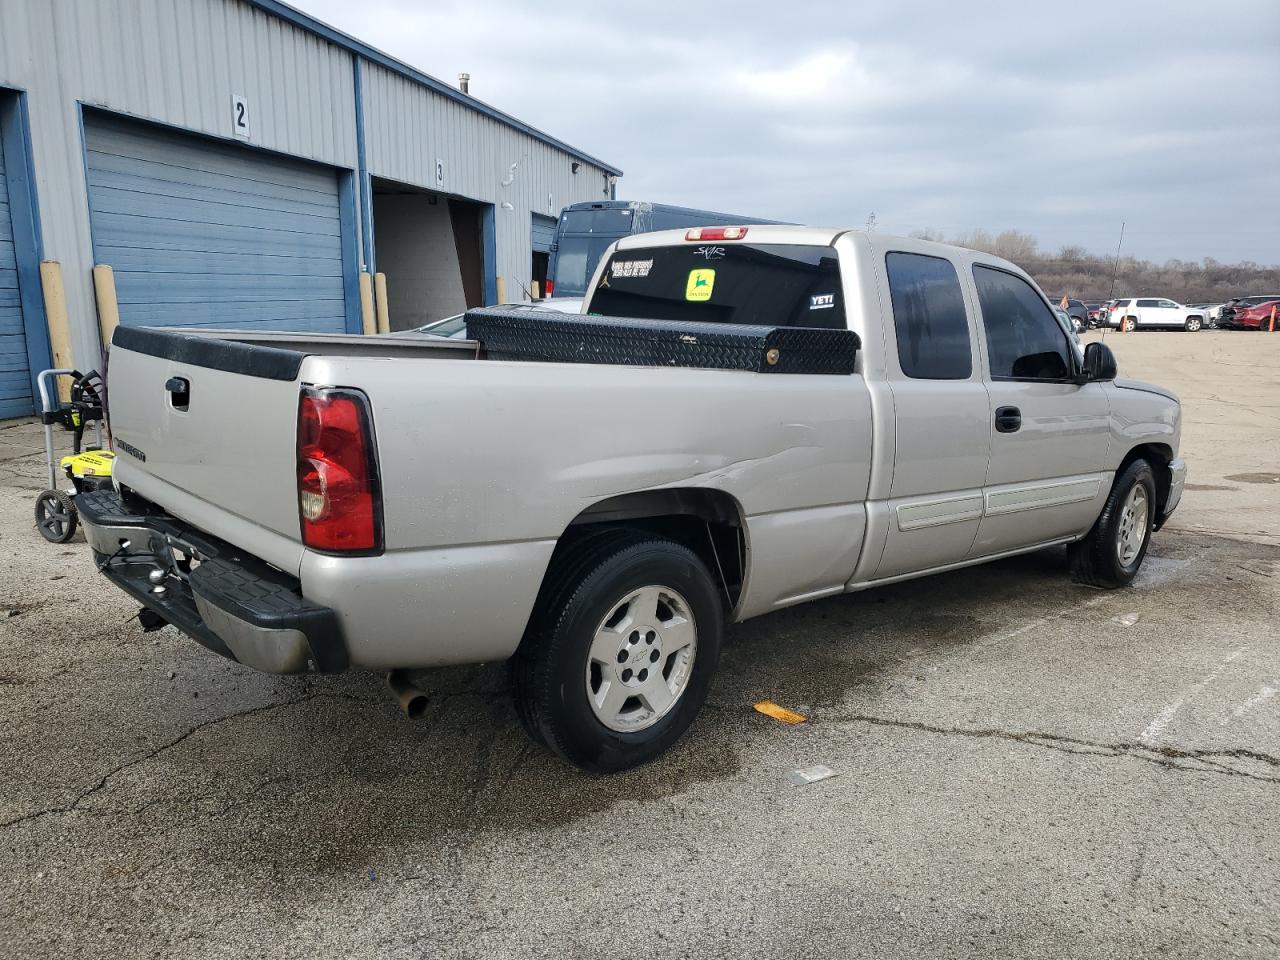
598, 511
1154, 313
1210, 311
1257, 317
1095, 313
1227, 318
1105, 312
1076, 309
455, 327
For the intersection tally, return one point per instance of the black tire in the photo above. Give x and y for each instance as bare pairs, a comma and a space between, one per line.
568, 567
1096, 560
56, 516
1128, 324
1193, 324
550, 670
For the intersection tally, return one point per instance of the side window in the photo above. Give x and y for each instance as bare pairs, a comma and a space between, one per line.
1168, 305
1148, 303
929, 316
1023, 337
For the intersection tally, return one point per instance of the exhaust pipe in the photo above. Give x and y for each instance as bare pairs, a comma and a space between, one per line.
413, 701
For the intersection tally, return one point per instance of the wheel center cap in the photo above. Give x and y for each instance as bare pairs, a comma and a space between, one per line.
639, 656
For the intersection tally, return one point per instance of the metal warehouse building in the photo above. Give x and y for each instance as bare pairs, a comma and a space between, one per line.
240, 164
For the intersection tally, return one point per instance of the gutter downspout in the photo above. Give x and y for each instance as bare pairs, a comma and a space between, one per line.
364, 184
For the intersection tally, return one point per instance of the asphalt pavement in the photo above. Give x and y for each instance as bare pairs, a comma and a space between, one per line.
1025, 767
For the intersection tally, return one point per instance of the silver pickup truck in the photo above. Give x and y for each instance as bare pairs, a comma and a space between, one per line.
322, 502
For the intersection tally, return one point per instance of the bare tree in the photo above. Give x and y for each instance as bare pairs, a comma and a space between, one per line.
1074, 272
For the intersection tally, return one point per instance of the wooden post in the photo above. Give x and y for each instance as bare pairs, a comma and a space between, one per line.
502, 290
104, 291
381, 310
55, 311
1273, 318
367, 320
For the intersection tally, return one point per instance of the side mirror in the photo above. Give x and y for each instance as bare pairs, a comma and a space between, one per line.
1099, 362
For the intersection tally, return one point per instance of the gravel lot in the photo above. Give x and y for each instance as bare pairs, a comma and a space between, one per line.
1027, 767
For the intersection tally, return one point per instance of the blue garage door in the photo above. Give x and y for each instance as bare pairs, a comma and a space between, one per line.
15, 375
544, 233
209, 234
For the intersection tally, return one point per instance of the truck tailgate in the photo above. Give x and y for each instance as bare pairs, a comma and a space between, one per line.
222, 456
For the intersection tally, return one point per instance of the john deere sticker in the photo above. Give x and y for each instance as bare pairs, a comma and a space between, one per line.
698, 289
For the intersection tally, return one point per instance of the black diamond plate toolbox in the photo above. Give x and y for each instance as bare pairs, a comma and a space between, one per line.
619, 341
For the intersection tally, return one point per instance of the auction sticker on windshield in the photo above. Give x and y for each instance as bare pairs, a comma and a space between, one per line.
700, 283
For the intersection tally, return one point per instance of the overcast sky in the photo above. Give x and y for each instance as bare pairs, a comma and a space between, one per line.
1058, 119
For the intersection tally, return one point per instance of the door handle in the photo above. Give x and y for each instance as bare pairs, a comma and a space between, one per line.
1008, 419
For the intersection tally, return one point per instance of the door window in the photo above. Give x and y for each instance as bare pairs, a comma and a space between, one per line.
1148, 303
929, 316
1168, 305
1024, 340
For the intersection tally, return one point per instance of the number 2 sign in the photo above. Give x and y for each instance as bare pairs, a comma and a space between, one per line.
239, 116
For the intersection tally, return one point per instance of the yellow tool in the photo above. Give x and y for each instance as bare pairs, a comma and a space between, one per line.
89, 469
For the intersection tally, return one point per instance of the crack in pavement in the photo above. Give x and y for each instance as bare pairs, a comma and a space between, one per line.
102, 781
1173, 758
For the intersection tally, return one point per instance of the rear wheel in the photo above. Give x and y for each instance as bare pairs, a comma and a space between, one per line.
620, 655
1193, 324
1128, 324
1112, 553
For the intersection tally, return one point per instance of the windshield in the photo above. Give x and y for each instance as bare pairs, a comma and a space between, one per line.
784, 285
576, 259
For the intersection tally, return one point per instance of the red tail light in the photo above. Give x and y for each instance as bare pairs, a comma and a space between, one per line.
339, 492
716, 233
550, 288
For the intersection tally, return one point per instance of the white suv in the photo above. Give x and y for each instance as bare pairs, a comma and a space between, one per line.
1154, 312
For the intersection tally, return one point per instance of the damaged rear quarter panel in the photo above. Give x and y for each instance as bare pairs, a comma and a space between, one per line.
525, 447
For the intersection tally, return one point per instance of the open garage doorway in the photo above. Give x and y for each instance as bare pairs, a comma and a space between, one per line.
542, 234
430, 247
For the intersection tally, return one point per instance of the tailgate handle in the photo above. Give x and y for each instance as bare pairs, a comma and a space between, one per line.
179, 390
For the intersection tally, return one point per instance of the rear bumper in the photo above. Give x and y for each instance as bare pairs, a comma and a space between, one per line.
232, 603
1177, 482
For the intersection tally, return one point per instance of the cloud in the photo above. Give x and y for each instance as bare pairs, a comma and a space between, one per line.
805, 81
1060, 120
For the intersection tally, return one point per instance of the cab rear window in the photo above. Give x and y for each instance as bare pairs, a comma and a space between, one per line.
781, 285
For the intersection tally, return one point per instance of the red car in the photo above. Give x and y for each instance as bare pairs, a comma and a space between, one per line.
1257, 317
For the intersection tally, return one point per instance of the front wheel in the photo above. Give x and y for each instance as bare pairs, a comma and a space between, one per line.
1193, 324
619, 658
1114, 549
55, 516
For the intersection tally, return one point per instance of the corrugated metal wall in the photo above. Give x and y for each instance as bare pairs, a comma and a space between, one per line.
408, 127
179, 62
173, 61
